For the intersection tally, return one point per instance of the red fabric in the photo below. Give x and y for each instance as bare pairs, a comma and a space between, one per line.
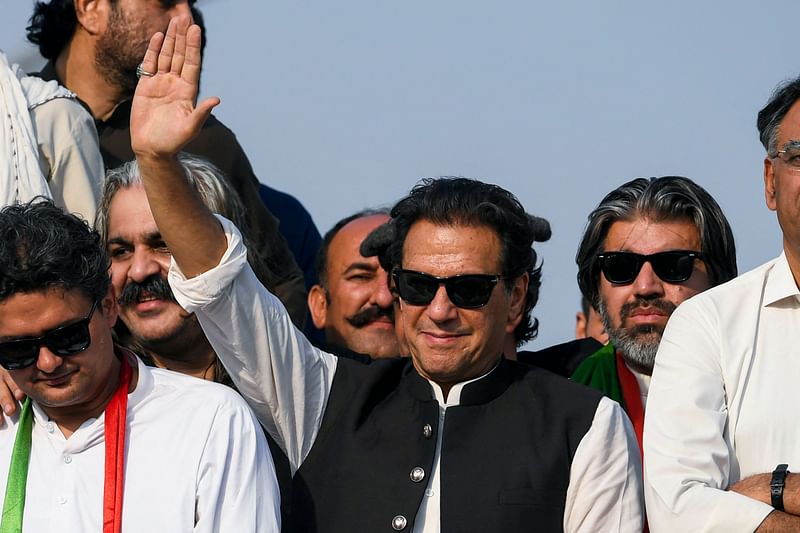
116, 411
632, 397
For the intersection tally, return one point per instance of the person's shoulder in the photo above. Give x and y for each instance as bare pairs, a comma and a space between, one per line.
553, 387
731, 294
563, 358
181, 389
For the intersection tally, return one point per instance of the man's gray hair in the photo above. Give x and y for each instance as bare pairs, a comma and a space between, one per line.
658, 199
215, 191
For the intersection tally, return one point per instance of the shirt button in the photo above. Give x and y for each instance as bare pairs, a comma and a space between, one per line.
68, 459
50, 427
429, 492
62, 500
427, 431
417, 474
399, 522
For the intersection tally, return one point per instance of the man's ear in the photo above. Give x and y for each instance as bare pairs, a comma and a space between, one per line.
769, 184
580, 325
109, 307
318, 305
517, 304
92, 15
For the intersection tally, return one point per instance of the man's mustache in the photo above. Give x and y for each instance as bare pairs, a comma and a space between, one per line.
370, 314
154, 286
665, 306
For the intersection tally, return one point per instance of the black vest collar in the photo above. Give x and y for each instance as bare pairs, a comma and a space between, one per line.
478, 392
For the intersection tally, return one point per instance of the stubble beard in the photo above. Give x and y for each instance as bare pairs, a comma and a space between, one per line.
119, 51
638, 345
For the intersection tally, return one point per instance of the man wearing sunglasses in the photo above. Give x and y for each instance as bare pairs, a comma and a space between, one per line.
453, 438
649, 245
722, 426
96, 440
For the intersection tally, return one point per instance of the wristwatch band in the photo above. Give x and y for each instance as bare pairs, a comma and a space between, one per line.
776, 485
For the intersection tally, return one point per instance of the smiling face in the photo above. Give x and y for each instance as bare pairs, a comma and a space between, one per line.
356, 310
139, 265
449, 344
635, 314
76, 384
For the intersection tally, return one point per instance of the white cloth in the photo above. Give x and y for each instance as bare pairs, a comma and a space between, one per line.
287, 381
196, 460
20, 176
69, 155
721, 402
46, 136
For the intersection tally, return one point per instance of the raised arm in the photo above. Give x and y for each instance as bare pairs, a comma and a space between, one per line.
284, 379
164, 118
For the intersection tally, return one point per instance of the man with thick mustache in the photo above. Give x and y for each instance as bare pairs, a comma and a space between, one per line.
649, 245
352, 302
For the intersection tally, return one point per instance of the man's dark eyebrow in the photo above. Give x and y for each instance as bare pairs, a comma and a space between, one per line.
149, 238
360, 266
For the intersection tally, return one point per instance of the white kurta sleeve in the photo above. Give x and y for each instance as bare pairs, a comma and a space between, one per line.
236, 485
69, 155
687, 455
605, 483
282, 376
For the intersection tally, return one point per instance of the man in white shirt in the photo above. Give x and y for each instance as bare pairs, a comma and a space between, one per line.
720, 427
454, 438
102, 438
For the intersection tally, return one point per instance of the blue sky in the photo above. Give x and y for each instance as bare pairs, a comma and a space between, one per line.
347, 104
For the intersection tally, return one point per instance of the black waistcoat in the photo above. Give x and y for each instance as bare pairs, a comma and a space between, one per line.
505, 461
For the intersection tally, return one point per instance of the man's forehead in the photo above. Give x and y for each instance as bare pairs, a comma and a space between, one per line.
457, 247
345, 245
649, 235
129, 215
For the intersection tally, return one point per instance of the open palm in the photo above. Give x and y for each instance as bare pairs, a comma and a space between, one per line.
164, 117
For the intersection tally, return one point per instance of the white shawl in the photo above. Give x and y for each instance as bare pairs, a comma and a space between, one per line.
21, 177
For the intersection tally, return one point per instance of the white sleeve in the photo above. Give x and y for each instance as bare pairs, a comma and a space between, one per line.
605, 481
279, 373
687, 457
69, 155
236, 485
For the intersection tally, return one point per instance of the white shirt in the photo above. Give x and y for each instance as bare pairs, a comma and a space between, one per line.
722, 402
195, 461
287, 381
69, 155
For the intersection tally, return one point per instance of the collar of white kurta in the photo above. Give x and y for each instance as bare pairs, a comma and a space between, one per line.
779, 284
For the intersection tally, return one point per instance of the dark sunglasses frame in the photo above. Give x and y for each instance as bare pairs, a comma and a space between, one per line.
671, 266
454, 285
29, 347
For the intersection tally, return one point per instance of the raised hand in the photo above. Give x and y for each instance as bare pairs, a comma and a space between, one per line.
164, 117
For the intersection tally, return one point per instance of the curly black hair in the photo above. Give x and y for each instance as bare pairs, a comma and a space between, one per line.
43, 247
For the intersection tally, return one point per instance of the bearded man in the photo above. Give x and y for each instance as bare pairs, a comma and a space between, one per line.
649, 245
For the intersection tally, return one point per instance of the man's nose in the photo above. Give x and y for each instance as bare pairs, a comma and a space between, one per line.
441, 309
143, 266
381, 294
647, 282
48, 362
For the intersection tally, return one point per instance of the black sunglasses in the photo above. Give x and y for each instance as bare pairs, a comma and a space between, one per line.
62, 341
622, 268
468, 291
